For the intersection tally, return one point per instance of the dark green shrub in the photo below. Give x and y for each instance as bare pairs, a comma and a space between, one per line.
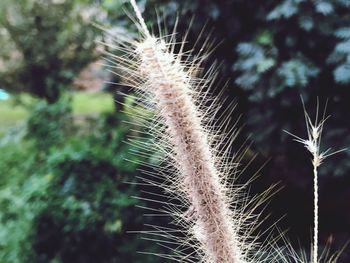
22, 196
19, 206
90, 208
49, 124
88, 211
16, 162
63, 193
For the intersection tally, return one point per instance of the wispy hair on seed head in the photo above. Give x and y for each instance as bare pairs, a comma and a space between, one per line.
211, 215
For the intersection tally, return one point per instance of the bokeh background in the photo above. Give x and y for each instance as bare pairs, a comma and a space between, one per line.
63, 168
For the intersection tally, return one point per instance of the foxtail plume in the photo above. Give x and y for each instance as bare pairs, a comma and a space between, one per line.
201, 181
216, 214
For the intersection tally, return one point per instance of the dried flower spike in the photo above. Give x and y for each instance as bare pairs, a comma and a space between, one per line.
217, 215
312, 144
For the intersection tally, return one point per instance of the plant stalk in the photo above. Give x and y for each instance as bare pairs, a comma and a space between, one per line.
315, 238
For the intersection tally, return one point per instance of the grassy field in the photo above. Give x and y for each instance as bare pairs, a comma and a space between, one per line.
92, 102
84, 103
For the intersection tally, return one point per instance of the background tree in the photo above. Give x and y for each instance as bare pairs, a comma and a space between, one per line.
44, 44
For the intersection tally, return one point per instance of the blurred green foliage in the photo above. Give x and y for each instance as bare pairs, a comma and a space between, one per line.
20, 204
66, 194
90, 205
22, 197
300, 42
48, 124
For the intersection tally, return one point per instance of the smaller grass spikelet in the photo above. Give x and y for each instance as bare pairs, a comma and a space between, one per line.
313, 144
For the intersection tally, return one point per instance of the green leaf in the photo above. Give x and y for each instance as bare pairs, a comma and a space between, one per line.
306, 23
342, 74
264, 38
265, 65
324, 7
343, 47
343, 32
